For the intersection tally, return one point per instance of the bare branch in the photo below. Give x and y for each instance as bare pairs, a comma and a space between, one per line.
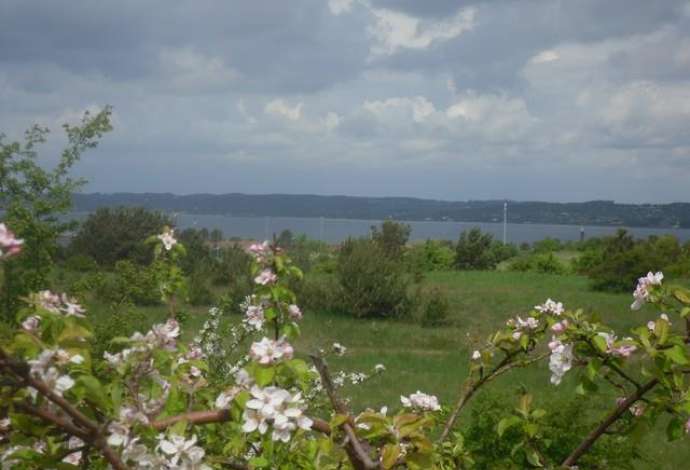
359, 457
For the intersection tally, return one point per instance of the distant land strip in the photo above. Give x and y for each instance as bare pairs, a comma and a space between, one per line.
605, 213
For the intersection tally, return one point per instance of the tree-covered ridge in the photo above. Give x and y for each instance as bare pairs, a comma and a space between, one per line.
400, 208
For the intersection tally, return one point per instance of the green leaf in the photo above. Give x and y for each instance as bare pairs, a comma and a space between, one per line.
675, 429
390, 455
533, 458
683, 295
600, 343
264, 375
677, 354
507, 423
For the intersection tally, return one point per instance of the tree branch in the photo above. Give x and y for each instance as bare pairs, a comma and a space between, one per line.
608, 421
359, 457
471, 388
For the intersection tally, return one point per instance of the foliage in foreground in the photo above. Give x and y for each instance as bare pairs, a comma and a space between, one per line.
152, 402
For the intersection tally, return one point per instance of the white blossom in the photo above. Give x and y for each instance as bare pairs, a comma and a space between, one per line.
560, 361
168, 239
641, 294
476, 355
378, 368
294, 312
550, 306
182, 453
266, 277
268, 351
31, 323
255, 317
339, 349
226, 397
9, 244
421, 401
278, 407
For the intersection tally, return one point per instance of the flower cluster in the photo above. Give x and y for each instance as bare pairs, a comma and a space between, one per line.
560, 360
268, 351
550, 307
168, 239
277, 406
9, 244
620, 350
266, 277
59, 304
421, 401
163, 335
261, 251
182, 453
46, 368
642, 291
520, 326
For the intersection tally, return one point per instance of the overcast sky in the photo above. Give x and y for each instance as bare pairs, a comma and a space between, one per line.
553, 100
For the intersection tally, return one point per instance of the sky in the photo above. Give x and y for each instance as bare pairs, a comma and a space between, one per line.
570, 100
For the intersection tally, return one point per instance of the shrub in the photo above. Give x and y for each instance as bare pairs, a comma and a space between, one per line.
522, 264
565, 423
110, 235
549, 264
320, 293
434, 306
391, 237
373, 284
432, 255
81, 263
131, 283
474, 250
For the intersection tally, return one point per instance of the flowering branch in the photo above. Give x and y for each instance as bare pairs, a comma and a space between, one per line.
92, 432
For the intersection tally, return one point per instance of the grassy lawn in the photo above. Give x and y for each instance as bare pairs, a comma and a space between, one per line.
435, 359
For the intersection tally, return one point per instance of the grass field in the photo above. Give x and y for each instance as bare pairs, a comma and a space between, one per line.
435, 359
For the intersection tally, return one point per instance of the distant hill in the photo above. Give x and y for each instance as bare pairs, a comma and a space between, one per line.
401, 208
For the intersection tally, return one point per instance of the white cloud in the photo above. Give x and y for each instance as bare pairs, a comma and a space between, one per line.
243, 111
280, 108
189, 70
394, 30
340, 6
418, 107
548, 55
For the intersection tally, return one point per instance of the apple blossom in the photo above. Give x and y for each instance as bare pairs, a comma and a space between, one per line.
268, 351
421, 401
550, 306
339, 349
31, 323
476, 355
560, 360
641, 294
255, 317
266, 277
183, 453
9, 244
168, 239
294, 312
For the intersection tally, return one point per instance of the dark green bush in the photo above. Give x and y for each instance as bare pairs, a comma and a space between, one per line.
549, 264
109, 235
122, 321
131, 284
373, 284
81, 263
320, 293
475, 251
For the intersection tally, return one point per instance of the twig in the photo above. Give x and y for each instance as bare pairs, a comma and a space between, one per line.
608, 421
470, 388
359, 457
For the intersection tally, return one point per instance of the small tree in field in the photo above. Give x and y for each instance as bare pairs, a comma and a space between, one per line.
391, 237
111, 235
473, 250
32, 198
